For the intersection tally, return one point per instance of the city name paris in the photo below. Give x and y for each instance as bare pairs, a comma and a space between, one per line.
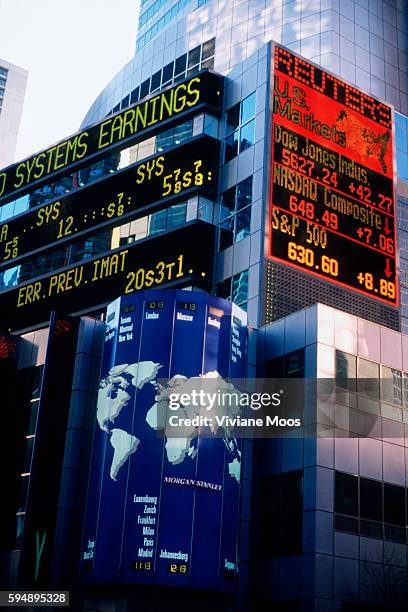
238, 421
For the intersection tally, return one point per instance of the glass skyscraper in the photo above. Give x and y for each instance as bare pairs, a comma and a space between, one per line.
323, 519
364, 43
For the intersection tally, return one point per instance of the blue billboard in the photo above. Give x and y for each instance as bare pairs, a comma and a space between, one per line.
163, 510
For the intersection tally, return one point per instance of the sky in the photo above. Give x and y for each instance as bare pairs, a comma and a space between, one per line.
72, 49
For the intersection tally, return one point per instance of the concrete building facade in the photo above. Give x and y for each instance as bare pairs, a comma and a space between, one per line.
13, 83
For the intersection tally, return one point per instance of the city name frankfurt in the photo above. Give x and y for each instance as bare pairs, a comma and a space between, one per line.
238, 421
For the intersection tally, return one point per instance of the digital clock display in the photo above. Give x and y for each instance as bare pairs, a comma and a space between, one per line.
155, 305
142, 566
177, 568
137, 190
186, 306
172, 259
332, 210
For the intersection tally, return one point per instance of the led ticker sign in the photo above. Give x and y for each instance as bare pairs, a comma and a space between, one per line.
136, 190
332, 180
116, 131
174, 258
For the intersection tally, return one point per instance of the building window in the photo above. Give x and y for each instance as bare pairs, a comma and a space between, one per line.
174, 136
401, 141
156, 81
242, 224
176, 215
346, 494
163, 21
183, 66
226, 233
294, 364
391, 386
370, 499
235, 213
291, 365
147, 15
208, 49
145, 88
371, 514
224, 289
167, 75
134, 96
394, 504
346, 379
247, 137
3, 79
163, 220
368, 380
239, 288
346, 369
231, 146
235, 289
233, 118
358, 382
157, 222
240, 127
30, 381
194, 57
281, 515
180, 65
244, 193
370, 507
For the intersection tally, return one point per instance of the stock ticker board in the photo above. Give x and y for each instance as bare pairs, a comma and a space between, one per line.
139, 189
134, 123
173, 258
332, 209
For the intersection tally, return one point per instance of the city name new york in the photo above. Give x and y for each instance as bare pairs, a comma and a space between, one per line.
290, 103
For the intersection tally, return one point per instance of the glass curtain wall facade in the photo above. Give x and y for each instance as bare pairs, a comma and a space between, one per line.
365, 43
315, 534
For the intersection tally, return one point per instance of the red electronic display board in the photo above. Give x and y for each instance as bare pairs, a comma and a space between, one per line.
332, 207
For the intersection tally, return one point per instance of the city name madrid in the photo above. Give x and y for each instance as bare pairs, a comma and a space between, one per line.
227, 421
